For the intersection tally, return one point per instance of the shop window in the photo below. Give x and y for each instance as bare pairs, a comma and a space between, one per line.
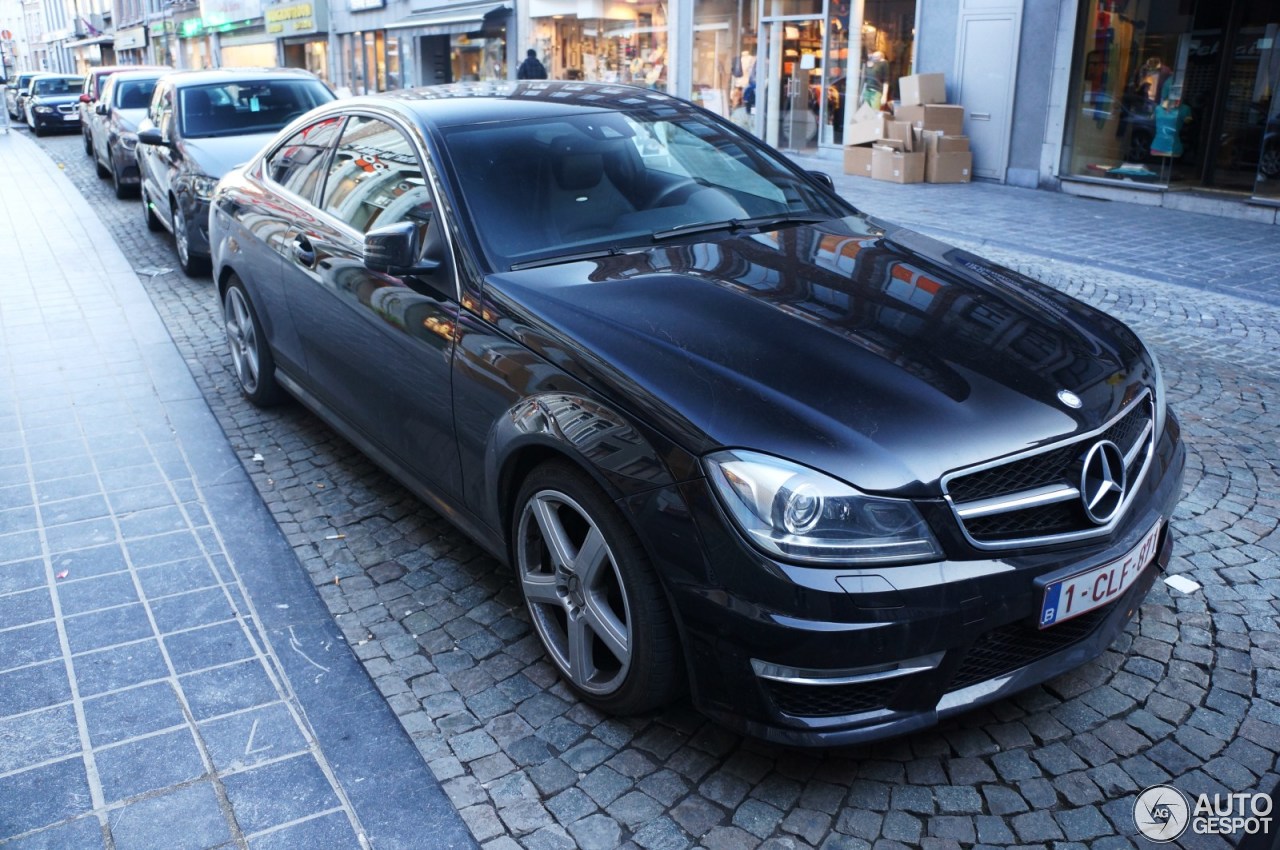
629, 47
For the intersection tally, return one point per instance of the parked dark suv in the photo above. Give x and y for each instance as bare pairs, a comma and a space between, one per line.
836, 477
95, 81
199, 125
53, 103
112, 127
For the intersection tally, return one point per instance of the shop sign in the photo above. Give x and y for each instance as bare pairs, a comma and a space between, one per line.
286, 19
190, 28
132, 38
365, 5
216, 13
161, 29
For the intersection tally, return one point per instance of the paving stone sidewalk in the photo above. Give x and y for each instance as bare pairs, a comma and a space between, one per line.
168, 677
1212, 253
1190, 694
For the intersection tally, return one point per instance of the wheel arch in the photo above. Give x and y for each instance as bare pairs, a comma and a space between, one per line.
576, 429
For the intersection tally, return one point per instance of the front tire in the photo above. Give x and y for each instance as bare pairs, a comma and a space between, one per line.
251, 358
88, 146
153, 222
595, 600
122, 191
193, 265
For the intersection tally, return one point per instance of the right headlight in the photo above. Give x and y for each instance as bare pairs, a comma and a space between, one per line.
800, 515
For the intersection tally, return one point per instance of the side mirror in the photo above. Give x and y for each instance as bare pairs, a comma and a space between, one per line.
394, 249
152, 136
101, 109
84, 98
824, 178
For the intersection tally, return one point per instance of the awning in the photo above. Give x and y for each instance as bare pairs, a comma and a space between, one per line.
93, 39
454, 20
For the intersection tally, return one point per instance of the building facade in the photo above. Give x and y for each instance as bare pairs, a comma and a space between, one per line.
1164, 102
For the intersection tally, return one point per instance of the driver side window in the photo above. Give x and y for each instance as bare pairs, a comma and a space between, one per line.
376, 179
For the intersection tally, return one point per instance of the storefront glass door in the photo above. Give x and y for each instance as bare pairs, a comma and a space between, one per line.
789, 83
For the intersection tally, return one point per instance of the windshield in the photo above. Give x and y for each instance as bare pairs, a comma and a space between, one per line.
58, 85
538, 189
241, 108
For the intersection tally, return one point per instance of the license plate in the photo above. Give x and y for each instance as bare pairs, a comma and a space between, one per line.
71, 118
1083, 592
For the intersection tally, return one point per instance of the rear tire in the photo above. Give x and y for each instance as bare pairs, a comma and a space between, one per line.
103, 171
594, 598
251, 359
88, 145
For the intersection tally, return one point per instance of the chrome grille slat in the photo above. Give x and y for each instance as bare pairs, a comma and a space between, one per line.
1031, 498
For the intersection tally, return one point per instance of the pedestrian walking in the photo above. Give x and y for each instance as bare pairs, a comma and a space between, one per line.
531, 68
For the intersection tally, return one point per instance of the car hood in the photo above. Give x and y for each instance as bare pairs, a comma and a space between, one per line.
53, 99
216, 156
873, 353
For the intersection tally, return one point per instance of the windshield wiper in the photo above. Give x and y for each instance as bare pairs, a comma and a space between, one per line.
569, 258
733, 225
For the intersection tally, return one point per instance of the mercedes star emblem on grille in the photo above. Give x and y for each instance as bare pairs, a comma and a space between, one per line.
1102, 482
1070, 399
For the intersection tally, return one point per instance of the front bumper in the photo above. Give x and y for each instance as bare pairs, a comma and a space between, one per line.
54, 120
822, 657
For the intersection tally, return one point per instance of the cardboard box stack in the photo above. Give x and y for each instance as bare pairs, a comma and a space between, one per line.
922, 141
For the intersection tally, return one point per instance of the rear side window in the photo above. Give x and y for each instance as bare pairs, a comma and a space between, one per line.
376, 178
299, 164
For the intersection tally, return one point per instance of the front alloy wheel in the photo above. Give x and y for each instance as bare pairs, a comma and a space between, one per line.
250, 356
594, 600
192, 264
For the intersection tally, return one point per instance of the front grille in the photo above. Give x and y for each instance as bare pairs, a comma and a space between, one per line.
831, 700
1052, 478
1007, 648
66, 108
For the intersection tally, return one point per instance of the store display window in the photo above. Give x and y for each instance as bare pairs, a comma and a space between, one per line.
1176, 94
627, 45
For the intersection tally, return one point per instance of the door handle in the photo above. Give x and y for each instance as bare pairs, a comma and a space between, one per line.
303, 251
980, 116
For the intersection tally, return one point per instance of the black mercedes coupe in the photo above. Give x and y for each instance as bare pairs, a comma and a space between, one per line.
836, 478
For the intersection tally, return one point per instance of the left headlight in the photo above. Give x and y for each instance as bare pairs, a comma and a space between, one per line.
129, 141
43, 110
801, 515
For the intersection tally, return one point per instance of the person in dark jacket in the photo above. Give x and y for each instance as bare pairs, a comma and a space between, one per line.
531, 68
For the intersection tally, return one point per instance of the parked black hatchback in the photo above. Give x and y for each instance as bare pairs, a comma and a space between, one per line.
836, 477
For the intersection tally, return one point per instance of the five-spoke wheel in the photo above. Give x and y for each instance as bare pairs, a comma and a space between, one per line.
250, 357
593, 597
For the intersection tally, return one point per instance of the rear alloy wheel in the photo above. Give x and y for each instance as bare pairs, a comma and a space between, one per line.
153, 221
192, 264
250, 355
595, 601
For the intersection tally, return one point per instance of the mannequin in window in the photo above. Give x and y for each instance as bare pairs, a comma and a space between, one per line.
874, 75
1170, 115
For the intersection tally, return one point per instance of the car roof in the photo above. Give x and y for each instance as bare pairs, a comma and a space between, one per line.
231, 75
468, 103
140, 73
113, 69
48, 75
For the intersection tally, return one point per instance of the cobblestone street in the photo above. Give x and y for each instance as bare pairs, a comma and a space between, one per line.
1190, 694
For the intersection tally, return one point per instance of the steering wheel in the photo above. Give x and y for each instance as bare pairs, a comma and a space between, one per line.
668, 191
